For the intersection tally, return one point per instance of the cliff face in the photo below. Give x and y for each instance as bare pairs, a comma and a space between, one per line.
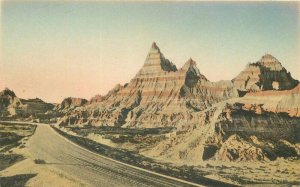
232, 131
159, 95
285, 101
260, 126
266, 74
265, 122
238, 118
251, 133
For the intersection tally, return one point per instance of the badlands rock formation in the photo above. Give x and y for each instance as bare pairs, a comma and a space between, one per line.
96, 99
253, 117
232, 131
9, 103
69, 104
261, 125
256, 116
266, 74
12, 107
159, 95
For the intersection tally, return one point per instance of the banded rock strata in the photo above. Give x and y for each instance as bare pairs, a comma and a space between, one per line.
69, 104
159, 95
253, 117
266, 74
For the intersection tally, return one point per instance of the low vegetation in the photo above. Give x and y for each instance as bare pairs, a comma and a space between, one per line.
17, 180
124, 137
188, 173
235, 173
11, 136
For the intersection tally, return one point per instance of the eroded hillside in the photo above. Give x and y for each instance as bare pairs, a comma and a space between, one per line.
253, 117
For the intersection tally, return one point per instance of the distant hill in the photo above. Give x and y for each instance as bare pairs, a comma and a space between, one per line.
12, 107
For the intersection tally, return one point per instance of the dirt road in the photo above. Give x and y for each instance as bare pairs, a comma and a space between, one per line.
90, 168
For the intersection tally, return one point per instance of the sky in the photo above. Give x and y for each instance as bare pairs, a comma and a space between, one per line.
54, 50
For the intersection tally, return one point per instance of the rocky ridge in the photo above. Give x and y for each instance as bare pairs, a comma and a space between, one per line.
253, 117
159, 95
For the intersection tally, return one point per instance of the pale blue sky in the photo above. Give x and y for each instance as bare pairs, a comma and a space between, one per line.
53, 50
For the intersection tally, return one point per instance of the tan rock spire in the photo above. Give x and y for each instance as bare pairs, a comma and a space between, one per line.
155, 63
158, 96
154, 46
189, 63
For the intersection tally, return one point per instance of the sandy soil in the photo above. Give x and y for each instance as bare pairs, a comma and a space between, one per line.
281, 172
45, 174
274, 173
57, 161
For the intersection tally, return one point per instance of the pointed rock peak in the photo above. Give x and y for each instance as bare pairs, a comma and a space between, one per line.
190, 63
154, 46
192, 71
156, 62
154, 51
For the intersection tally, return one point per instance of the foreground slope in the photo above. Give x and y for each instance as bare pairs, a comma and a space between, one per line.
57, 154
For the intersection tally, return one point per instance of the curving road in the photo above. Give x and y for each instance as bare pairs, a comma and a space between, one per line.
88, 167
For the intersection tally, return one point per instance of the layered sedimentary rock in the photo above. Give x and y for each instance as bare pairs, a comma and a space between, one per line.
266, 74
253, 117
70, 103
236, 148
284, 101
232, 131
290, 103
96, 99
238, 118
159, 95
